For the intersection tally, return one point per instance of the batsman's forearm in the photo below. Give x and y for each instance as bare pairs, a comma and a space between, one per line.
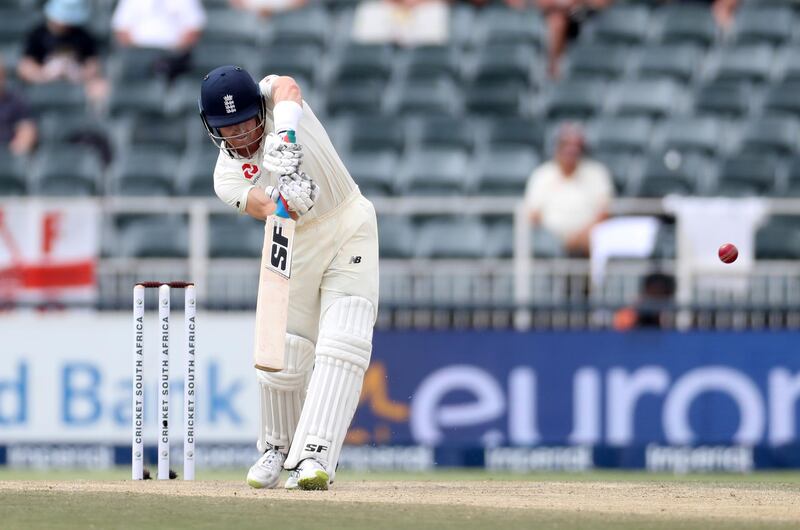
259, 205
286, 88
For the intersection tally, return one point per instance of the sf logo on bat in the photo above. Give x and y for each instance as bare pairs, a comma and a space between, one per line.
280, 251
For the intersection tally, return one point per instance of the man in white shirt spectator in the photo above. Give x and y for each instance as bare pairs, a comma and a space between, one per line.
267, 8
174, 26
570, 194
402, 22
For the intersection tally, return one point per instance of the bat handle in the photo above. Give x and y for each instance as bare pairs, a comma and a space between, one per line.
282, 209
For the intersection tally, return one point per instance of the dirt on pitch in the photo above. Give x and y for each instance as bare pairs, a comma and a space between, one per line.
655, 500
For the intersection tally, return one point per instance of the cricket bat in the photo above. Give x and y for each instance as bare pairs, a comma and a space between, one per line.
272, 305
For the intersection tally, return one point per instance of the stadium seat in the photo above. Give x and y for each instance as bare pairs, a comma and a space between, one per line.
455, 133
207, 57
12, 176
58, 127
67, 170
432, 62
782, 99
671, 173
311, 25
791, 67
506, 26
134, 64
776, 135
689, 134
162, 236
364, 63
688, 24
747, 62
515, 131
621, 134
779, 239
771, 24
427, 97
374, 172
500, 242
747, 175
376, 133
16, 22
356, 98
500, 64
575, 99
723, 99
197, 173
452, 238
793, 178
396, 236
620, 165
55, 97
496, 99
505, 170
442, 171
146, 172
158, 132
235, 236
597, 61
293, 60
140, 97
181, 99
654, 99
624, 24
229, 27
672, 61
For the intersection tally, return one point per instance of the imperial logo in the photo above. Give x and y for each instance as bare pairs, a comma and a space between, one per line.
230, 107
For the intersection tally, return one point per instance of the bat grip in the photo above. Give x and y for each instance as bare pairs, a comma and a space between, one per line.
282, 209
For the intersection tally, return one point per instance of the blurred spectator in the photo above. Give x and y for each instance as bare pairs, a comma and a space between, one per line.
61, 49
404, 22
267, 8
570, 194
724, 11
654, 307
17, 128
173, 26
564, 18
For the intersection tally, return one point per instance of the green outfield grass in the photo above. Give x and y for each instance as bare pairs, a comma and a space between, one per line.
35, 499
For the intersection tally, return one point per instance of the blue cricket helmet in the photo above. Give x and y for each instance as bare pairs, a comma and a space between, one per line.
229, 95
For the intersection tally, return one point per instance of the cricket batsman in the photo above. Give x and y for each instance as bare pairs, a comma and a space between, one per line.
306, 409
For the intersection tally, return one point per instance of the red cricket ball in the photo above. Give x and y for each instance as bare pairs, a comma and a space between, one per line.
728, 253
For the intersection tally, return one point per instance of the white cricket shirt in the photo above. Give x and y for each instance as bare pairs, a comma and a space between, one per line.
233, 177
569, 204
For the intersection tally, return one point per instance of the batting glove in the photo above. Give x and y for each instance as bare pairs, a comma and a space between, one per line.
299, 191
281, 157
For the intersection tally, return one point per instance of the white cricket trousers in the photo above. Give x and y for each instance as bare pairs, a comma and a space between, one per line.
334, 255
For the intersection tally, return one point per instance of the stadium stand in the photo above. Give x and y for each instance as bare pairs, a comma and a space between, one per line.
672, 106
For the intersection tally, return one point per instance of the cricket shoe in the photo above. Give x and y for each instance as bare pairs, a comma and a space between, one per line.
311, 475
291, 482
266, 472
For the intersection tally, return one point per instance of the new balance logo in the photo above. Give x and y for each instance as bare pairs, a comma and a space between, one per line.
230, 107
355, 259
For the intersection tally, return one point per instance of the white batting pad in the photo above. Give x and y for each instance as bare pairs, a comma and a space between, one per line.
283, 393
344, 347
